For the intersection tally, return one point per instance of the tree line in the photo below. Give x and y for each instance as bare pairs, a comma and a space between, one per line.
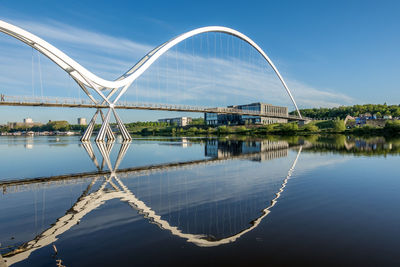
61, 126
341, 112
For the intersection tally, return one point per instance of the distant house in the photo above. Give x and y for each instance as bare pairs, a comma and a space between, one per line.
367, 116
180, 121
387, 117
82, 121
362, 119
350, 121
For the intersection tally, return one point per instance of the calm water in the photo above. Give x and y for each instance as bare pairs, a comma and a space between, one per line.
193, 201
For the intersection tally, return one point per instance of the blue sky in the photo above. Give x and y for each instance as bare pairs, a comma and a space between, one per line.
330, 52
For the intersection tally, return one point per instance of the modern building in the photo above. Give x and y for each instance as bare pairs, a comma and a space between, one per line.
237, 119
82, 121
180, 121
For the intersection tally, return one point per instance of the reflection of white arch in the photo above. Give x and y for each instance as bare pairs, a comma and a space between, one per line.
89, 202
87, 79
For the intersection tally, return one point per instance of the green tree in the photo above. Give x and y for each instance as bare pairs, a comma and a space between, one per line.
192, 130
310, 127
338, 126
223, 129
197, 121
392, 126
289, 127
58, 125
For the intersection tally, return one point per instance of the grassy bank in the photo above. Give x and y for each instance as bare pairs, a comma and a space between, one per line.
391, 128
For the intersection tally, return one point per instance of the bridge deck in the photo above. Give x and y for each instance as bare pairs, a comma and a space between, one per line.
76, 103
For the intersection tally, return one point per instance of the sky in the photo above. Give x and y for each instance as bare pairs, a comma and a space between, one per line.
331, 53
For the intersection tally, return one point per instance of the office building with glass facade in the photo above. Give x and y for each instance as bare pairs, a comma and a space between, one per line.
237, 119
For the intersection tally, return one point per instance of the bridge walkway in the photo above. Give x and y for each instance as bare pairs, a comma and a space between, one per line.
78, 103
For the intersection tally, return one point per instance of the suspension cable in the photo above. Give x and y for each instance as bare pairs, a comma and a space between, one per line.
33, 75
40, 75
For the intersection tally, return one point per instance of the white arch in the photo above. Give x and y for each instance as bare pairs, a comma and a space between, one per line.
84, 76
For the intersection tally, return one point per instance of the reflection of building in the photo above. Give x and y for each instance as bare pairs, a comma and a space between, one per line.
184, 142
82, 121
235, 119
180, 121
27, 123
223, 149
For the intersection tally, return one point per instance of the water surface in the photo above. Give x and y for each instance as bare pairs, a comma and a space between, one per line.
195, 201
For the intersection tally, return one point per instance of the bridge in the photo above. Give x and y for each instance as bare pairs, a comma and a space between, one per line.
82, 103
89, 201
105, 94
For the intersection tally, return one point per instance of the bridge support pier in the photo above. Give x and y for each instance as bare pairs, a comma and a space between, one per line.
105, 132
125, 134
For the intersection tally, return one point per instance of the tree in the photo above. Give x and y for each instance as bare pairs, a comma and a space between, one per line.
58, 125
311, 127
4, 129
392, 126
192, 130
197, 121
289, 127
355, 110
338, 126
223, 129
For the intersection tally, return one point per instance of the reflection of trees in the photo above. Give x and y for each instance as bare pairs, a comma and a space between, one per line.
341, 144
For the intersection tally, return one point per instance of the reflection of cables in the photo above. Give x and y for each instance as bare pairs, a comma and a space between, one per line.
202, 240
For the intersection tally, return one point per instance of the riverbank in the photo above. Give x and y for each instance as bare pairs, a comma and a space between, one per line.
392, 128
327, 127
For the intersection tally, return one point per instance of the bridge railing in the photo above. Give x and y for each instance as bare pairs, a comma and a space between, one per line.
45, 100
38, 100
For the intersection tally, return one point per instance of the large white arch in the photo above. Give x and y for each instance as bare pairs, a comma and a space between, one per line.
87, 79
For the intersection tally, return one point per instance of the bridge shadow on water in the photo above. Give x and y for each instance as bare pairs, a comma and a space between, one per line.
208, 202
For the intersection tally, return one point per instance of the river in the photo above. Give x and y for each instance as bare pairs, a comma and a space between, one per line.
317, 200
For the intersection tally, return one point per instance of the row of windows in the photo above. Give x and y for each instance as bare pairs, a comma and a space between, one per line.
273, 109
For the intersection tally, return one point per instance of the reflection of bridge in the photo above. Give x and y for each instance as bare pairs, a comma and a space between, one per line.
109, 92
280, 150
87, 202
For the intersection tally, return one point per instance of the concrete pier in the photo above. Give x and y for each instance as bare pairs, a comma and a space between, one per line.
2, 262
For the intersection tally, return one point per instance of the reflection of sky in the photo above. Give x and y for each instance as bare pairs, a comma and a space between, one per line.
49, 157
